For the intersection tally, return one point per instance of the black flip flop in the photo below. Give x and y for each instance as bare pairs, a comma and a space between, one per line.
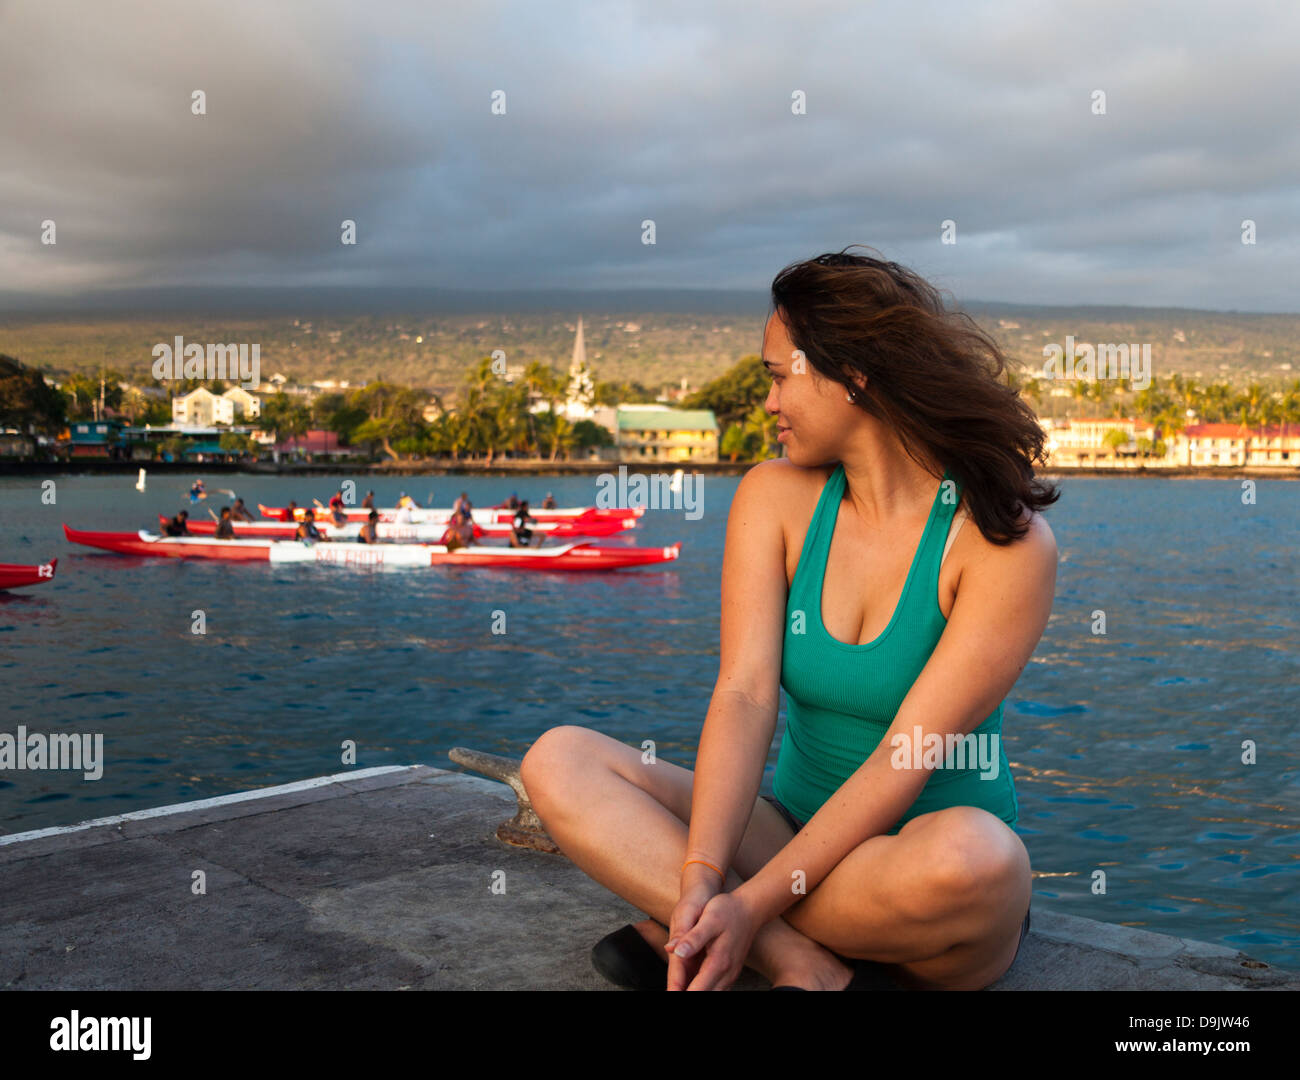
626, 959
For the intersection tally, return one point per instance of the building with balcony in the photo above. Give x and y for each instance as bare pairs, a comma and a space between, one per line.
1229, 444
202, 408
1084, 441
94, 438
248, 406
655, 433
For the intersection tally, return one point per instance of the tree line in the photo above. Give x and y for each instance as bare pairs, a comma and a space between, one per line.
489, 416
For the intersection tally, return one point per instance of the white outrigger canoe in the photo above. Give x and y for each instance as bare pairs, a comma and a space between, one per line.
390, 530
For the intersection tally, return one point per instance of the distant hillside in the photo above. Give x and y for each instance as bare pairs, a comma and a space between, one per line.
655, 348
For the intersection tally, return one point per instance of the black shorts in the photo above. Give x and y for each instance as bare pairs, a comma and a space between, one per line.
790, 819
796, 825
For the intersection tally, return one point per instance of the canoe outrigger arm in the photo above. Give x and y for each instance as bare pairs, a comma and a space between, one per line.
525, 828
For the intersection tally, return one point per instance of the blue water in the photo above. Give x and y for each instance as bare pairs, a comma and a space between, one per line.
1126, 748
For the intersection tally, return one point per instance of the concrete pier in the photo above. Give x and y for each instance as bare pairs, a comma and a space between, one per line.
383, 879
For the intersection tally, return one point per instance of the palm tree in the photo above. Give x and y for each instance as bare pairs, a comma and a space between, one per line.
541, 380
283, 417
734, 442
761, 424
1114, 439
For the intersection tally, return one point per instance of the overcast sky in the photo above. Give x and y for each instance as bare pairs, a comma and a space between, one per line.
679, 112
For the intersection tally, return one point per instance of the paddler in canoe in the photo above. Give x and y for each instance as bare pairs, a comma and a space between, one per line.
405, 504
461, 503
369, 532
522, 535
460, 533
307, 528
177, 526
197, 492
239, 512
290, 512
368, 503
549, 502
334, 508
225, 525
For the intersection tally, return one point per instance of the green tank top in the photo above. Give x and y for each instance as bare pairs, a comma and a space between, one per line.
841, 698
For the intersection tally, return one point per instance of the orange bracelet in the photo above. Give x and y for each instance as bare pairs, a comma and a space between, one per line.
708, 864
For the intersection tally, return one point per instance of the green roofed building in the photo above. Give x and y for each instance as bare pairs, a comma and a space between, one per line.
657, 433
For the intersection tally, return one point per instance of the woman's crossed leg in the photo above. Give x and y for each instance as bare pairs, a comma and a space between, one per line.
942, 901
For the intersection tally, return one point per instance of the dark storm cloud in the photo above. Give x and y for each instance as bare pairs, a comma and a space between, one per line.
675, 112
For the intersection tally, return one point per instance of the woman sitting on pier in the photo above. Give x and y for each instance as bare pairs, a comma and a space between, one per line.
845, 582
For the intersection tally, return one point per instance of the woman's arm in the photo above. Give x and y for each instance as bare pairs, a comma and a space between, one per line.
741, 719
1003, 602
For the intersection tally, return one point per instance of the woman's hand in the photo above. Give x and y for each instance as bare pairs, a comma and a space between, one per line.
715, 943
699, 885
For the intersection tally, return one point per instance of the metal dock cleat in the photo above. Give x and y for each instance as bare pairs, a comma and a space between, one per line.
525, 828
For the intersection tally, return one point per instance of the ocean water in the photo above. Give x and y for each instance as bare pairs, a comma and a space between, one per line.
1127, 747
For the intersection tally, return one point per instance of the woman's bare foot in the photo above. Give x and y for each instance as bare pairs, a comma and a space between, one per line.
825, 972
810, 968
655, 935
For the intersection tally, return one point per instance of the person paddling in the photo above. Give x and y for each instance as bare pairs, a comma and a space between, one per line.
225, 525
512, 503
338, 515
549, 502
240, 512
177, 526
368, 503
522, 536
307, 528
461, 503
290, 512
460, 532
369, 533
197, 492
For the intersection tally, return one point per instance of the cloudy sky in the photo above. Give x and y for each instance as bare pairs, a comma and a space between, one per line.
381, 112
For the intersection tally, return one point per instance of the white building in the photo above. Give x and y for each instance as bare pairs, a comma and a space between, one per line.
247, 405
202, 408
581, 395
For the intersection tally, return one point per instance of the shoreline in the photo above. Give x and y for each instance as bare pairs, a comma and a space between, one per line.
92, 466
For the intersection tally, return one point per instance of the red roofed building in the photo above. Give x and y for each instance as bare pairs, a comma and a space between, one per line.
1235, 444
1278, 444
315, 444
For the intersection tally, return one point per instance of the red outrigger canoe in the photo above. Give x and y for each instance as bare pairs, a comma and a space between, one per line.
13, 576
575, 556
285, 530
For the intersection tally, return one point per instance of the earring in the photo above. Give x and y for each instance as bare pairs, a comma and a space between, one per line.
849, 396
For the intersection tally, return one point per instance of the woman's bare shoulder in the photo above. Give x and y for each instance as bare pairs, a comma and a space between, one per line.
777, 482
1036, 548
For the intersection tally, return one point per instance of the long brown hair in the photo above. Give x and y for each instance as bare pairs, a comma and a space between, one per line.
932, 376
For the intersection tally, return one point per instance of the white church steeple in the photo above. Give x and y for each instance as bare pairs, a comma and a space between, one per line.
581, 392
